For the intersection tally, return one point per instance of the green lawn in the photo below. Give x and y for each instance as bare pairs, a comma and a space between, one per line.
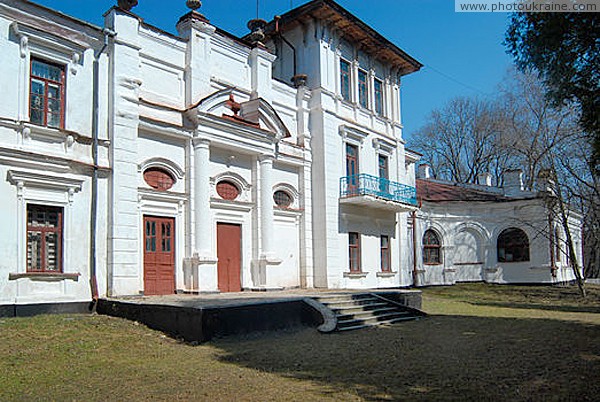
481, 342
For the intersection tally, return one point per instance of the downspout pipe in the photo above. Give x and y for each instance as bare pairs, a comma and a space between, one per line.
414, 250
280, 36
94, 195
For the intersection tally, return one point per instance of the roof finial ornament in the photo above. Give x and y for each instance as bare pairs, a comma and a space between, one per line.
193, 4
257, 31
127, 5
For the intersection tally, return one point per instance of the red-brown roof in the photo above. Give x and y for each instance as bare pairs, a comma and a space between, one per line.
433, 191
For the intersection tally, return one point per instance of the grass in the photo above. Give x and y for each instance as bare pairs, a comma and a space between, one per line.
481, 342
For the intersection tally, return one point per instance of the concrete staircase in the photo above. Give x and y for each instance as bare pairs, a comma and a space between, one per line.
362, 310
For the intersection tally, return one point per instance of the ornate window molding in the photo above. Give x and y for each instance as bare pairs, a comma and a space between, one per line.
353, 135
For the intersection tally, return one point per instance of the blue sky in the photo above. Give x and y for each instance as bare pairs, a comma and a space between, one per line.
462, 52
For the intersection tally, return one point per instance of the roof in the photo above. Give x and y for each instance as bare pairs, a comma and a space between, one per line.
354, 30
434, 191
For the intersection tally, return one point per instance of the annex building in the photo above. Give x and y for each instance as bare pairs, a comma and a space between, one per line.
138, 162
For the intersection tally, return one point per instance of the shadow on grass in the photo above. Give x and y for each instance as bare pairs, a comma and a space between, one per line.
539, 306
438, 358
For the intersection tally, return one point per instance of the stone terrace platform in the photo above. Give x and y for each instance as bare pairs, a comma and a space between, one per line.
199, 318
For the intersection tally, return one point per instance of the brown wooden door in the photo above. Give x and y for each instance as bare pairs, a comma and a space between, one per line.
159, 255
229, 253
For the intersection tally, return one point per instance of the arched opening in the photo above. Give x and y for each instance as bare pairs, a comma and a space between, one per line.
513, 246
432, 248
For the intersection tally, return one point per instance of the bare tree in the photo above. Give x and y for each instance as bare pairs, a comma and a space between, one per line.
520, 128
459, 140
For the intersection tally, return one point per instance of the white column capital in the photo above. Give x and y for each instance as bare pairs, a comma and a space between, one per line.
266, 158
201, 143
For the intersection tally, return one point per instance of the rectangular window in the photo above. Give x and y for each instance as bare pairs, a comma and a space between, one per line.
384, 183
385, 254
345, 80
44, 238
47, 93
363, 89
378, 90
383, 167
354, 251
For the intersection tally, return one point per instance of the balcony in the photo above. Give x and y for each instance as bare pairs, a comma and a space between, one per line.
367, 190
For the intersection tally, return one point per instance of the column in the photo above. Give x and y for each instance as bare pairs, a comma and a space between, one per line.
203, 225
266, 207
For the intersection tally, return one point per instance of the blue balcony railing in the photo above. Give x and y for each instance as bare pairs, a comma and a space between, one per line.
366, 184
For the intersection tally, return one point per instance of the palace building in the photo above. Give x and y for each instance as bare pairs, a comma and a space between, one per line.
135, 161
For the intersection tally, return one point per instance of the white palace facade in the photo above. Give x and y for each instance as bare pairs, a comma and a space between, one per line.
138, 162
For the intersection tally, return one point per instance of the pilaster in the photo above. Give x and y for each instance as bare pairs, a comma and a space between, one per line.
125, 267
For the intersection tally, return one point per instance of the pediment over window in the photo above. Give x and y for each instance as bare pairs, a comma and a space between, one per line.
257, 113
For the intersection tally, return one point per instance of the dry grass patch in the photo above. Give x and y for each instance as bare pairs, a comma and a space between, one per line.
474, 347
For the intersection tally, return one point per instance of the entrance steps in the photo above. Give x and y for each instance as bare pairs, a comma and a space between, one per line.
362, 310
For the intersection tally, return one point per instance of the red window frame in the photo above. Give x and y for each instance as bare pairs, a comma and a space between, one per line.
432, 248
354, 252
352, 168
227, 190
158, 179
386, 261
44, 230
47, 83
345, 81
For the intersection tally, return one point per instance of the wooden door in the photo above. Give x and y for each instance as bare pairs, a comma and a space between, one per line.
159, 255
229, 253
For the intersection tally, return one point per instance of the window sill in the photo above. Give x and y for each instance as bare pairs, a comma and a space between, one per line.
386, 274
458, 264
355, 275
44, 276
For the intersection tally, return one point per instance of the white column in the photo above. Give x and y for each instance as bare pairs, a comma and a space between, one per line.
266, 206
203, 226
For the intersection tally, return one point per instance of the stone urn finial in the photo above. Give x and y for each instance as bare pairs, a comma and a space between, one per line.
257, 30
127, 5
193, 4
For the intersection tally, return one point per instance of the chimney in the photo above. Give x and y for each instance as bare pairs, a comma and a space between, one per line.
424, 171
513, 181
484, 179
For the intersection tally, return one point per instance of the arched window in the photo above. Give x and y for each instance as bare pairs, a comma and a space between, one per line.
159, 179
513, 246
227, 190
432, 248
282, 199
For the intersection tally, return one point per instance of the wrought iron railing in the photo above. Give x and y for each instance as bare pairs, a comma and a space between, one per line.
366, 184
